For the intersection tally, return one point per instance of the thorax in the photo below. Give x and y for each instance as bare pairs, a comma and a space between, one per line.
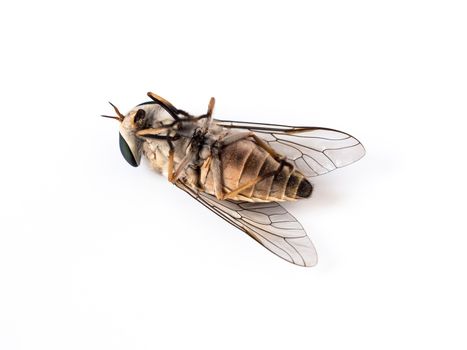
157, 151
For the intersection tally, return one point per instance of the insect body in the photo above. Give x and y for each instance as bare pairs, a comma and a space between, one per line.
238, 170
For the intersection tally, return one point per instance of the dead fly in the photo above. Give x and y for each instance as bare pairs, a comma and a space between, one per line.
239, 170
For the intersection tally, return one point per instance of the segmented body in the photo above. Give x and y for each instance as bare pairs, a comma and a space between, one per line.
216, 161
242, 162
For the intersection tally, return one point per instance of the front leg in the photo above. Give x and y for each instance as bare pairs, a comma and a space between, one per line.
191, 157
175, 174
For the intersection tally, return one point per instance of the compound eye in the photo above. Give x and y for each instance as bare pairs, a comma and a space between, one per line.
139, 116
126, 152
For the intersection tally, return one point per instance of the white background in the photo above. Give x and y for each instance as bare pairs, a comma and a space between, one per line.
95, 254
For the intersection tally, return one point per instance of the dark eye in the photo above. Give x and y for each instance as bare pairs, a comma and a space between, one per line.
126, 151
139, 116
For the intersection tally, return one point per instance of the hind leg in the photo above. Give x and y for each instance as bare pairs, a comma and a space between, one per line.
216, 167
259, 141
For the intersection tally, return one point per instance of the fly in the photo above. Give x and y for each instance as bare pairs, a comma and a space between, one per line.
238, 170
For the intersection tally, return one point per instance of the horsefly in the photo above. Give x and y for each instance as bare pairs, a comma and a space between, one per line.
239, 170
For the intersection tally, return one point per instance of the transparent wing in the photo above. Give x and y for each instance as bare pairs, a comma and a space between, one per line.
268, 223
314, 151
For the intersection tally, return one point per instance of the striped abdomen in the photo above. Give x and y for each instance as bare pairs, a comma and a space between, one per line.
244, 162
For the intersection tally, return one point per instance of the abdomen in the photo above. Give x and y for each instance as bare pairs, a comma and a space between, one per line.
244, 162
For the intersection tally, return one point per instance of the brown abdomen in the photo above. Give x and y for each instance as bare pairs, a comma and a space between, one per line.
244, 162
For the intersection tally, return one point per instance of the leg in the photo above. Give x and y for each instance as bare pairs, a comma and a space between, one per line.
264, 145
204, 170
212, 102
170, 162
208, 115
186, 161
218, 180
217, 176
232, 138
164, 104
216, 167
150, 132
259, 141
234, 193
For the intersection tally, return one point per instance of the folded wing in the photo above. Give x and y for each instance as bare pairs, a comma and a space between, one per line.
314, 151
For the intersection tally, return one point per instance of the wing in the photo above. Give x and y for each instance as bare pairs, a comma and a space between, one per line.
314, 151
267, 223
